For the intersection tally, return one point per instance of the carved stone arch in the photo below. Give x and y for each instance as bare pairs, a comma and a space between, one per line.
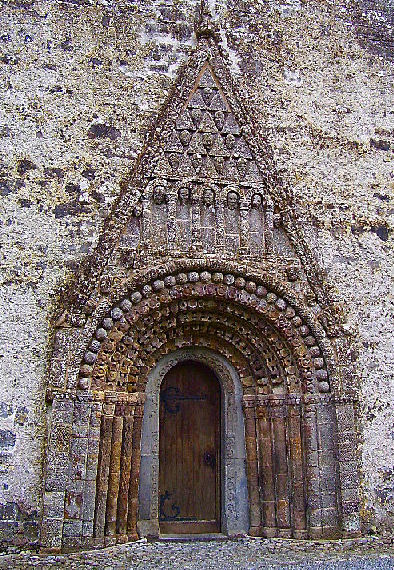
260, 355
308, 340
303, 420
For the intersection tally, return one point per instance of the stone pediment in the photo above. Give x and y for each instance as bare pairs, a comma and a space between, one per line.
205, 186
205, 193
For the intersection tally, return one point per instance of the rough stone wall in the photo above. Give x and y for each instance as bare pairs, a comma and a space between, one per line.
80, 82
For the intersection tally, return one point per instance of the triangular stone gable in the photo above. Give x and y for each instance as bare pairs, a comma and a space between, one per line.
206, 134
207, 140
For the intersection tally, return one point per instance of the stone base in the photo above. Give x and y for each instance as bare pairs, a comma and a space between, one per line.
148, 528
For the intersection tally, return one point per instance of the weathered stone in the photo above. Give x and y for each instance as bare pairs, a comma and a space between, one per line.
214, 192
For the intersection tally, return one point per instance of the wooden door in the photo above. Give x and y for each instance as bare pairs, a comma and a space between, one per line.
189, 478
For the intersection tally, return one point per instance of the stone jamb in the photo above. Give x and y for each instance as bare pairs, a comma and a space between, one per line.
235, 515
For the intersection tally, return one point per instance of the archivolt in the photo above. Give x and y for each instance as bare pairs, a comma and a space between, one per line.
278, 339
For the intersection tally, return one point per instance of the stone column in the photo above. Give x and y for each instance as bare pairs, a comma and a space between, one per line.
125, 470
298, 513
312, 467
266, 474
114, 472
103, 469
249, 403
132, 515
281, 474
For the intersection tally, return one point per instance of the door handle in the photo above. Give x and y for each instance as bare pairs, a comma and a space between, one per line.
210, 459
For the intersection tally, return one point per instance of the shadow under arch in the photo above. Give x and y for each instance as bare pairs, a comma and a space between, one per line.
235, 505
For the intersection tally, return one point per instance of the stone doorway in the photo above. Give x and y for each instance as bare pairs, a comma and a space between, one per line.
189, 451
283, 471
229, 483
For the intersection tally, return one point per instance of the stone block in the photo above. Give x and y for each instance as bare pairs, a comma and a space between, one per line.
325, 414
51, 533
31, 531
72, 528
345, 418
73, 504
60, 438
82, 412
87, 528
91, 465
350, 508
350, 495
80, 430
78, 453
315, 518
348, 474
8, 530
72, 542
54, 504
329, 500
328, 483
89, 498
329, 517
326, 436
57, 478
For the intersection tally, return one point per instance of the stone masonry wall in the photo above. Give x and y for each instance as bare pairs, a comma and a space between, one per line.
80, 82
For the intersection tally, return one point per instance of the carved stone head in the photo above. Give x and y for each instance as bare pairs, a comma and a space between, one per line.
219, 119
159, 195
232, 200
208, 197
207, 140
137, 211
184, 194
256, 201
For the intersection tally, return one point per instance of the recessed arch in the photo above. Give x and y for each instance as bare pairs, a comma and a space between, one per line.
162, 298
281, 366
235, 514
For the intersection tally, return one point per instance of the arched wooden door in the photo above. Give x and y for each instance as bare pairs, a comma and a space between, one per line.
189, 456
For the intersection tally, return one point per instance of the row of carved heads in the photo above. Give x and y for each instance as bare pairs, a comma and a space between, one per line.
209, 195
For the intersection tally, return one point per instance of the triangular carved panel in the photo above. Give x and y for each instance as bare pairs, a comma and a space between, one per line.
206, 193
206, 127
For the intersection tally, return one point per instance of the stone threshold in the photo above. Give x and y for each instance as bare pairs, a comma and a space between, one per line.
192, 537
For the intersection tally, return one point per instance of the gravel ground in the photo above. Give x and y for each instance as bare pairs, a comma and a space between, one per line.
242, 554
